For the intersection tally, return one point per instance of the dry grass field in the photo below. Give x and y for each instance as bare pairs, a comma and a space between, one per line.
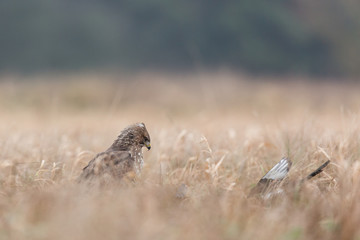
217, 133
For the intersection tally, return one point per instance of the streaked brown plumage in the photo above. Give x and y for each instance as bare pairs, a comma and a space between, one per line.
123, 157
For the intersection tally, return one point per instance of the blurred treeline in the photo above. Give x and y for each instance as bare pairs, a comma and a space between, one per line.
258, 36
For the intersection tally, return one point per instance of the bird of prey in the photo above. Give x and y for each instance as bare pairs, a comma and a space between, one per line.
267, 186
123, 157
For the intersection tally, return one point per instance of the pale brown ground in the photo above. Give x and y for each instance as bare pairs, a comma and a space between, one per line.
218, 133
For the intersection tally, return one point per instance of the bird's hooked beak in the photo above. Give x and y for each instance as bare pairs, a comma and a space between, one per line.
147, 145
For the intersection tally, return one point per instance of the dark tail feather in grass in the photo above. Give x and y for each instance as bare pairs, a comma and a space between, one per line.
317, 171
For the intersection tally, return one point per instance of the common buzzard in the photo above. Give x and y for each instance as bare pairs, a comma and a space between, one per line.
123, 157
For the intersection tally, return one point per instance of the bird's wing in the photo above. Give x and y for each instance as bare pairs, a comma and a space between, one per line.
279, 171
270, 180
114, 163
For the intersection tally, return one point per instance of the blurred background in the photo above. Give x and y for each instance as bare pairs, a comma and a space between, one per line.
226, 88
294, 37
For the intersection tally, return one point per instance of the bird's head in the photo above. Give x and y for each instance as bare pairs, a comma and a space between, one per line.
133, 135
144, 137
